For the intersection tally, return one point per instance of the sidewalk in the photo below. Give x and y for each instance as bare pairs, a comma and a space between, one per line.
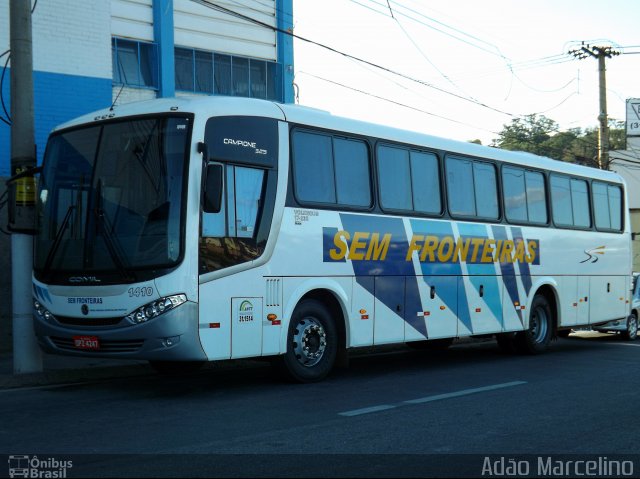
66, 369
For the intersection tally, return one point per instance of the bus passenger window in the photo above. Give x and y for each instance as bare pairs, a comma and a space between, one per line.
313, 168
425, 183
607, 206
536, 197
486, 190
515, 197
460, 187
394, 178
352, 172
561, 200
580, 204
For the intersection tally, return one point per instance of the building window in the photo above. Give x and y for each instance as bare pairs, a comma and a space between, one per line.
134, 63
215, 73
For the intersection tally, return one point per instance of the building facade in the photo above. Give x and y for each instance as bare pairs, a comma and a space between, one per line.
90, 54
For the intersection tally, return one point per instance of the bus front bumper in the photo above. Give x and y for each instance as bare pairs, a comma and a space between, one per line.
172, 336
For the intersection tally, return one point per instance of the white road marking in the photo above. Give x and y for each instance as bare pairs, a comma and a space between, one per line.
367, 410
437, 397
464, 392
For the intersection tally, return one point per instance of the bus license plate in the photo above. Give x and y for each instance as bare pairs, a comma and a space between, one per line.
86, 342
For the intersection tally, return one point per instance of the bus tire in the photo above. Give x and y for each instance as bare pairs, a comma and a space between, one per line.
312, 343
536, 338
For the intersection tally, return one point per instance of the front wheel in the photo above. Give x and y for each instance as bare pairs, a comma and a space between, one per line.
631, 332
537, 337
312, 343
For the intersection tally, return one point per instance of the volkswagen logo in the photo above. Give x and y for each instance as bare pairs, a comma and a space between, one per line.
84, 309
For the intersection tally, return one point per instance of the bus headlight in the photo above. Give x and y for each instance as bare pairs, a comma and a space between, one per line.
156, 308
42, 311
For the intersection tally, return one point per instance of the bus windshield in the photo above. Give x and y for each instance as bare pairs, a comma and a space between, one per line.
110, 204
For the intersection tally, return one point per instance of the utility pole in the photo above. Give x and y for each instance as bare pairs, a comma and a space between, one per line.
601, 53
27, 357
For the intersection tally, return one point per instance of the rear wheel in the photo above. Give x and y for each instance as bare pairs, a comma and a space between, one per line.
632, 328
312, 343
536, 338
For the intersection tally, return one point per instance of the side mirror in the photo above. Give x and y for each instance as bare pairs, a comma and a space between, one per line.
213, 189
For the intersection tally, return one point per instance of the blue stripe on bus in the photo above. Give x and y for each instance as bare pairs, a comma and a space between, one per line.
328, 233
508, 271
525, 272
437, 272
393, 264
483, 274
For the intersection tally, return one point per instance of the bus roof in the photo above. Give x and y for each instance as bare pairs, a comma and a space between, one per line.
237, 106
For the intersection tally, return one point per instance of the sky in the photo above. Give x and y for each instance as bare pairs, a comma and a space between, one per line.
463, 69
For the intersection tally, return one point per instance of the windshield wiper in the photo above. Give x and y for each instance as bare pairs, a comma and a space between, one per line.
114, 248
58, 239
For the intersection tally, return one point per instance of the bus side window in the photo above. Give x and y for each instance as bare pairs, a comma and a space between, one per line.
241, 202
248, 195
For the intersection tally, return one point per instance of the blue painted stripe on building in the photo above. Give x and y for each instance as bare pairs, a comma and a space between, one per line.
284, 15
57, 98
163, 35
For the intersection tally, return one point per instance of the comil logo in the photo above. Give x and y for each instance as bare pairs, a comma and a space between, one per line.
48, 467
245, 312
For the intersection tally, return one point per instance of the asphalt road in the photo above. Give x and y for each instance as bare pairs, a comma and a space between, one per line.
391, 413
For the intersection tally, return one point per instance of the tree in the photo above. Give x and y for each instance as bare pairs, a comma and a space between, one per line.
541, 135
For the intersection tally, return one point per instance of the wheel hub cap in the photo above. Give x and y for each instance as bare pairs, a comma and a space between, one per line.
310, 342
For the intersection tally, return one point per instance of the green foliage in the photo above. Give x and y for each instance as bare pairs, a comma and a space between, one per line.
540, 135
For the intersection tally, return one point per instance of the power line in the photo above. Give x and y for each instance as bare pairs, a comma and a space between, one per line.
423, 54
432, 27
362, 61
388, 100
346, 55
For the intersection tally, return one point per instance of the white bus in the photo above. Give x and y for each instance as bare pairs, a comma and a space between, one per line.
188, 230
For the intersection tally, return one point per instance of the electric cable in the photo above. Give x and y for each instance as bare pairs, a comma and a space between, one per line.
348, 55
